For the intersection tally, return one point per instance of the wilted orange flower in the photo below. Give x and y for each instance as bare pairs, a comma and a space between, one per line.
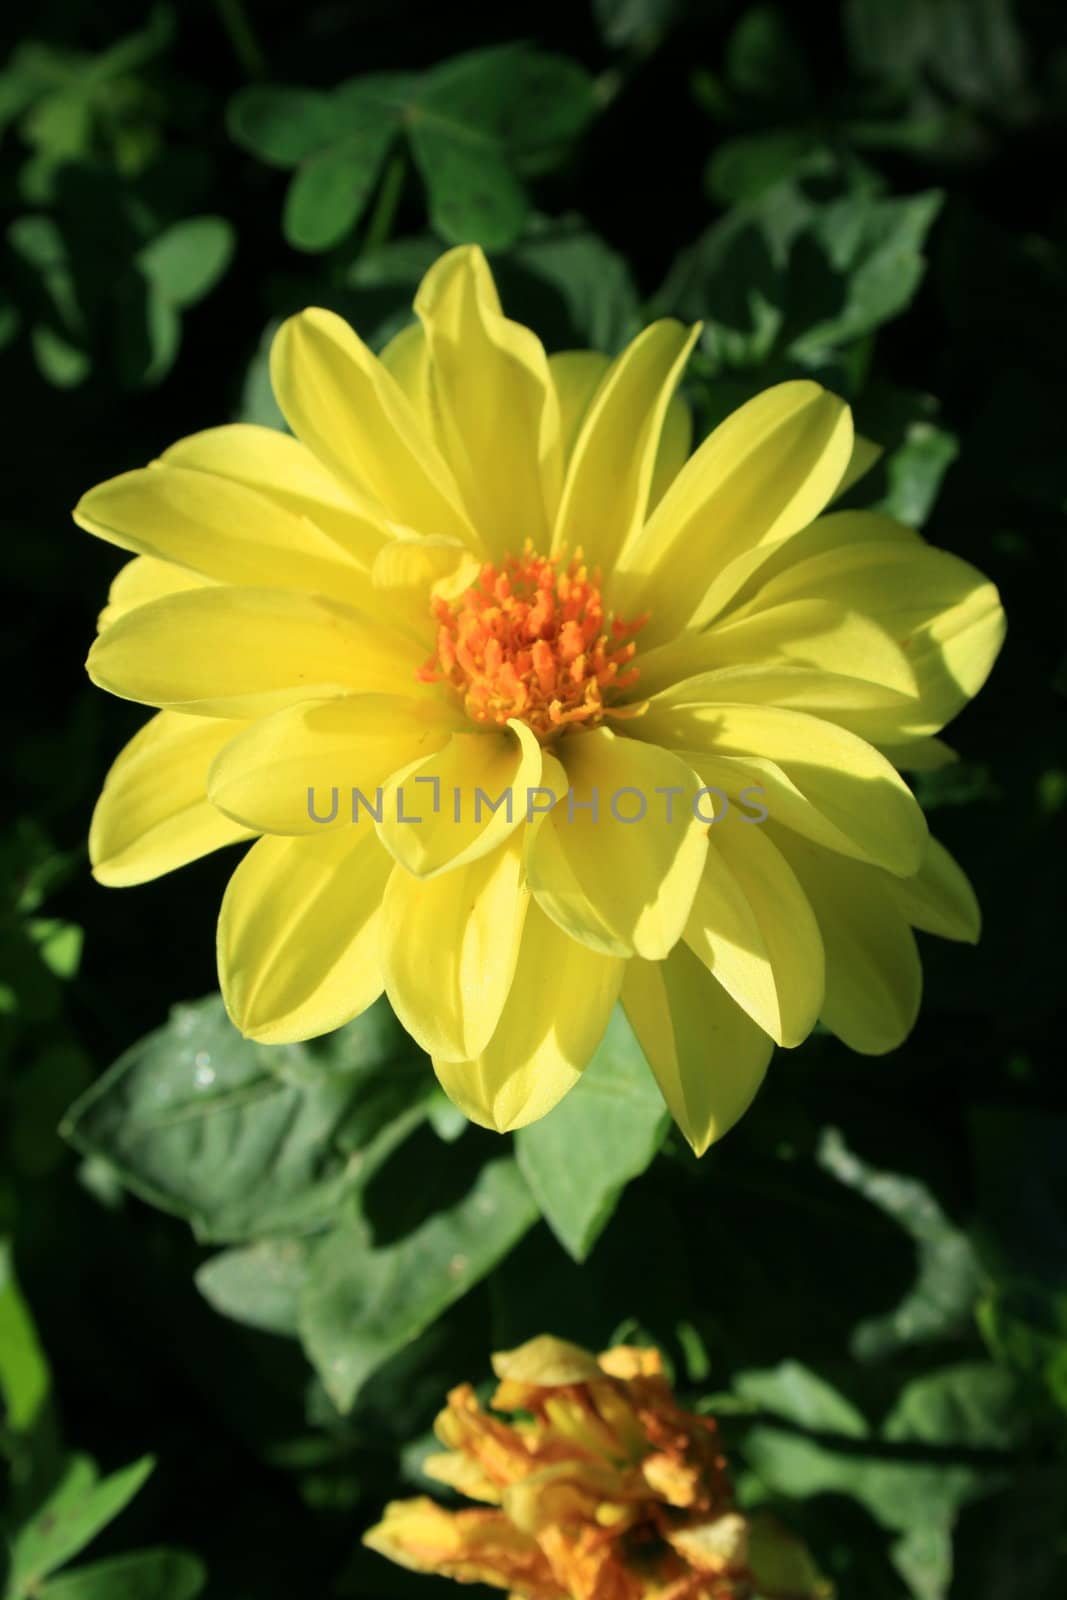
600, 1487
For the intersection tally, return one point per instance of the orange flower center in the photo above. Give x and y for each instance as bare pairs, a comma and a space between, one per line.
531, 640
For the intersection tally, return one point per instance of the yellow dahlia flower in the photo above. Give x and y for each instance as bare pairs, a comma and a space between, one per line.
528, 708
603, 1488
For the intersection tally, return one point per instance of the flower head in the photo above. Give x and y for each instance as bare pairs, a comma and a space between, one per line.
601, 1487
527, 708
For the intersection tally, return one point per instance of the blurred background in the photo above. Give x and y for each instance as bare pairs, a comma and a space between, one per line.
867, 1280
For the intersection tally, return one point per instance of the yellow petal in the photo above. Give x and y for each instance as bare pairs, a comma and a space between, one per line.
142, 580
547, 1362
410, 569
939, 898
606, 493
577, 375
417, 1534
323, 763
920, 755
344, 405
245, 652
494, 402
733, 585
449, 947
834, 531
873, 973
280, 466
760, 476
754, 930
799, 633
407, 358
470, 1546
555, 1015
218, 528
944, 614
298, 940
870, 810
865, 453
458, 804
676, 441
876, 713
616, 864
153, 813
709, 1058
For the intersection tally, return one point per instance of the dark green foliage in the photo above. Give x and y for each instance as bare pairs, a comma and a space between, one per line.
247, 1275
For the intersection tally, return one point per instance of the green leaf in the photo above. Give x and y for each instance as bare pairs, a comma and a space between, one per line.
363, 1304
796, 1393
593, 281
279, 125
246, 1140
330, 191
25, 1380
579, 1158
949, 1413
915, 472
135, 50
74, 1513
528, 102
971, 1406
481, 118
259, 1285
473, 194
141, 1575
258, 404
876, 247
634, 22
742, 168
949, 1277
60, 362
972, 47
58, 943
185, 261
764, 61
1025, 1326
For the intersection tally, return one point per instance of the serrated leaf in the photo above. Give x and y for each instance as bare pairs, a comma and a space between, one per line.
363, 1304
876, 247
951, 1412
970, 1406
579, 1158
915, 472
948, 1277
247, 1140
799, 1395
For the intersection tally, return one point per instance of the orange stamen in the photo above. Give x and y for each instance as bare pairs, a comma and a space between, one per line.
530, 639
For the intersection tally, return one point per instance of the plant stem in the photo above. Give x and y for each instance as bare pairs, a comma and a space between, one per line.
242, 36
382, 217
